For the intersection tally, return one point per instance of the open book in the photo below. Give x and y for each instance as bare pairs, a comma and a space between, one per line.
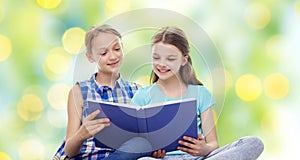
162, 124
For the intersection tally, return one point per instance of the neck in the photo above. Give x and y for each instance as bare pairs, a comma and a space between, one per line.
107, 79
173, 87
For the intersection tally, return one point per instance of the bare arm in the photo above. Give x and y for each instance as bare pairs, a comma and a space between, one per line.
73, 139
209, 129
203, 145
76, 133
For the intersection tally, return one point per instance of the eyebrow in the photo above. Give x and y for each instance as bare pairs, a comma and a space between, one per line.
168, 55
114, 43
172, 55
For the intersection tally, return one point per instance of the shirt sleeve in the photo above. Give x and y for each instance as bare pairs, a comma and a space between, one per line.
205, 99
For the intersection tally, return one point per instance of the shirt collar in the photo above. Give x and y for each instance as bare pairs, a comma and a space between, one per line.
120, 83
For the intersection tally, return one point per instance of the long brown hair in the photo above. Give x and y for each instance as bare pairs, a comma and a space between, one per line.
177, 38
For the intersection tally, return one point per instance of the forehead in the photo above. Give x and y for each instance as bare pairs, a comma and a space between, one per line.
164, 48
104, 40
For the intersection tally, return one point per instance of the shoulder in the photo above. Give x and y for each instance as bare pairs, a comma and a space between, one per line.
81, 88
146, 89
199, 89
75, 96
131, 84
76, 89
84, 87
144, 92
202, 93
204, 97
88, 83
141, 97
83, 83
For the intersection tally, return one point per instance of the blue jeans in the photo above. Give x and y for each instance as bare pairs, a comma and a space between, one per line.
131, 150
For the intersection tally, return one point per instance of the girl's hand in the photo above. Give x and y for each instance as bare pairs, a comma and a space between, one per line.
159, 154
195, 147
90, 126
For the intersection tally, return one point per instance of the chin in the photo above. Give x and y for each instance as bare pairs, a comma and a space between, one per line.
163, 77
115, 70
112, 70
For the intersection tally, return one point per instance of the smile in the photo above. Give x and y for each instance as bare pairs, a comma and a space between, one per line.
113, 64
163, 70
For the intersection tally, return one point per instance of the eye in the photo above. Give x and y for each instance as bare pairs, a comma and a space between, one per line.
117, 49
171, 59
155, 58
102, 53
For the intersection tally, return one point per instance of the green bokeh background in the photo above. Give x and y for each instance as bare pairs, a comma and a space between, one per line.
258, 38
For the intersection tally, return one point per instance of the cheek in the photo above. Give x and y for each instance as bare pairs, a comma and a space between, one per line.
98, 59
154, 64
174, 65
119, 56
101, 60
119, 53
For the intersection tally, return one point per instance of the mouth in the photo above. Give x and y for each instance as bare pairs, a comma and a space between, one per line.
163, 70
114, 64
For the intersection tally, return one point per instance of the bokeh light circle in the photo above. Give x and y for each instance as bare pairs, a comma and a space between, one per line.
257, 15
57, 118
73, 40
5, 49
48, 4
4, 156
276, 86
248, 87
31, 149
30, 107
116, 6
58, 96
57, 63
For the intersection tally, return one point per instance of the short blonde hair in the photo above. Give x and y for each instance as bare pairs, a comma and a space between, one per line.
94, 31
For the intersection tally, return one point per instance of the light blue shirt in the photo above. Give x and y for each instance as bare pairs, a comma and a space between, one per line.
152, 94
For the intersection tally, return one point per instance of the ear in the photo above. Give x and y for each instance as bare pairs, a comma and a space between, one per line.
90, 57
185, 60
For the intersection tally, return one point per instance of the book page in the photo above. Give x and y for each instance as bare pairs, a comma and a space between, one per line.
168, 102
118, 104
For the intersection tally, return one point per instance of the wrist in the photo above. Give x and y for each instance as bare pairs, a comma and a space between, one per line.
79, 136
211, 147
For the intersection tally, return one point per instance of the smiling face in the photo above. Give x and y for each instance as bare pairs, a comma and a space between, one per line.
107, 51
167, 60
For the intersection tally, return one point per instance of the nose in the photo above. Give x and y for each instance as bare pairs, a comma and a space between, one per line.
113, 55
161, 64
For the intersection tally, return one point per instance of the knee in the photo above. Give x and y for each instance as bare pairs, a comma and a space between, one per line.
255, 143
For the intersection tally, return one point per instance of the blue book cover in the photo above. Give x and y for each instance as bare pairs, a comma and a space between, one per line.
162, 124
